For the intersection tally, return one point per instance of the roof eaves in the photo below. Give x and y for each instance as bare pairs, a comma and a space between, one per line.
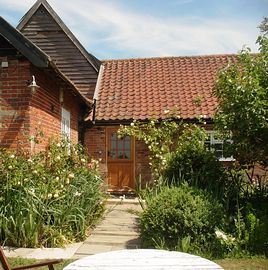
34, 54
90, 58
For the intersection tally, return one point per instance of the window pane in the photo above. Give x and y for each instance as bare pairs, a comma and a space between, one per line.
127, 138
112, 154
120, 144
127, 154
127, 145
113, 145
121, 155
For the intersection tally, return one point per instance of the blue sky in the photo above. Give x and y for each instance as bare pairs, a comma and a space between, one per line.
151, 28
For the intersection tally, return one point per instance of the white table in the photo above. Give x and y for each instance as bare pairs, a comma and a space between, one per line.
142, 259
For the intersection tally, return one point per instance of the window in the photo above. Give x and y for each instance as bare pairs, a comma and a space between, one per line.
120, 148
65, 123
215, 145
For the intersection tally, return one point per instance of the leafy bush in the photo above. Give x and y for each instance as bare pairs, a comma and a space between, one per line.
48, 199
181, 218
191, 162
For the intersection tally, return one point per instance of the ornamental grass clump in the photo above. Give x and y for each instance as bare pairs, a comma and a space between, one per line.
49, 199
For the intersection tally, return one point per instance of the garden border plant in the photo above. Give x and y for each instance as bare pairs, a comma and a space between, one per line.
48, 199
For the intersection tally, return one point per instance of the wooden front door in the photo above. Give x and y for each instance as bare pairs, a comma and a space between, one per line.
120, 162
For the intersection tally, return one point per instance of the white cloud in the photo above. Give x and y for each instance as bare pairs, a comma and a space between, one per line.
140, 35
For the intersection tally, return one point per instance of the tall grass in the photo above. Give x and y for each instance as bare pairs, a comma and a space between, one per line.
49, 199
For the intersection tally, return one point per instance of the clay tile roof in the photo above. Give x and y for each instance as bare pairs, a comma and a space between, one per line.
146, 88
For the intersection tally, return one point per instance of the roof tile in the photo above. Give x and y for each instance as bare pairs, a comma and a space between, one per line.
144, 88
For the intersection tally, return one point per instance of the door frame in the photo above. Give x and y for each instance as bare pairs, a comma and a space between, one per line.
108, 130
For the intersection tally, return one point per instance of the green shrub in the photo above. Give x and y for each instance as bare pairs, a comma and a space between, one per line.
191, 162
180, 218
48, 199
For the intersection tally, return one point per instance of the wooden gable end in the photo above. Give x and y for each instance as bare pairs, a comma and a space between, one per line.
44, 31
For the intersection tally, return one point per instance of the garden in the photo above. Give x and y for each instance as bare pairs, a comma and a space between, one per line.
196, 203
48, 199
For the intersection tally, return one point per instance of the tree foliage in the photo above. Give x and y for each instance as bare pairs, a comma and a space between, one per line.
264, 26
242, 91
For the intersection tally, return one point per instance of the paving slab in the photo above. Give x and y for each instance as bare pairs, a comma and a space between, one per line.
118, 230
43, 253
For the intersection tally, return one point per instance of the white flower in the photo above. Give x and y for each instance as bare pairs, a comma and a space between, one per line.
49, 195
10, 167
56, 195
132, 124
35, 172
83, 160
19, 182
77, 194
57, 178
12, 156
58, 158
221, 235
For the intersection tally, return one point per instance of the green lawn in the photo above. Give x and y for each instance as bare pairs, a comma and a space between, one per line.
227, 264
243, 264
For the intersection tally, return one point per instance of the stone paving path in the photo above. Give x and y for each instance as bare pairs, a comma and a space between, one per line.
118, 230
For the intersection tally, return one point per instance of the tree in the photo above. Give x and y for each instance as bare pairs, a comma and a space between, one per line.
264, 26
242, 91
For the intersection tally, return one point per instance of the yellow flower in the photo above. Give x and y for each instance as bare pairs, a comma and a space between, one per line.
71, 175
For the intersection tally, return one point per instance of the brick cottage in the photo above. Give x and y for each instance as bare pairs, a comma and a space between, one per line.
88, 99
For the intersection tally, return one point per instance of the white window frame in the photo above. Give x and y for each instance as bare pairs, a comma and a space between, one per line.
211, 140
65, 123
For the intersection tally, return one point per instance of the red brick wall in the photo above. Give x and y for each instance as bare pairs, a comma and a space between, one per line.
23, 115
45, 109
14, 103
95, 143
142, 167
